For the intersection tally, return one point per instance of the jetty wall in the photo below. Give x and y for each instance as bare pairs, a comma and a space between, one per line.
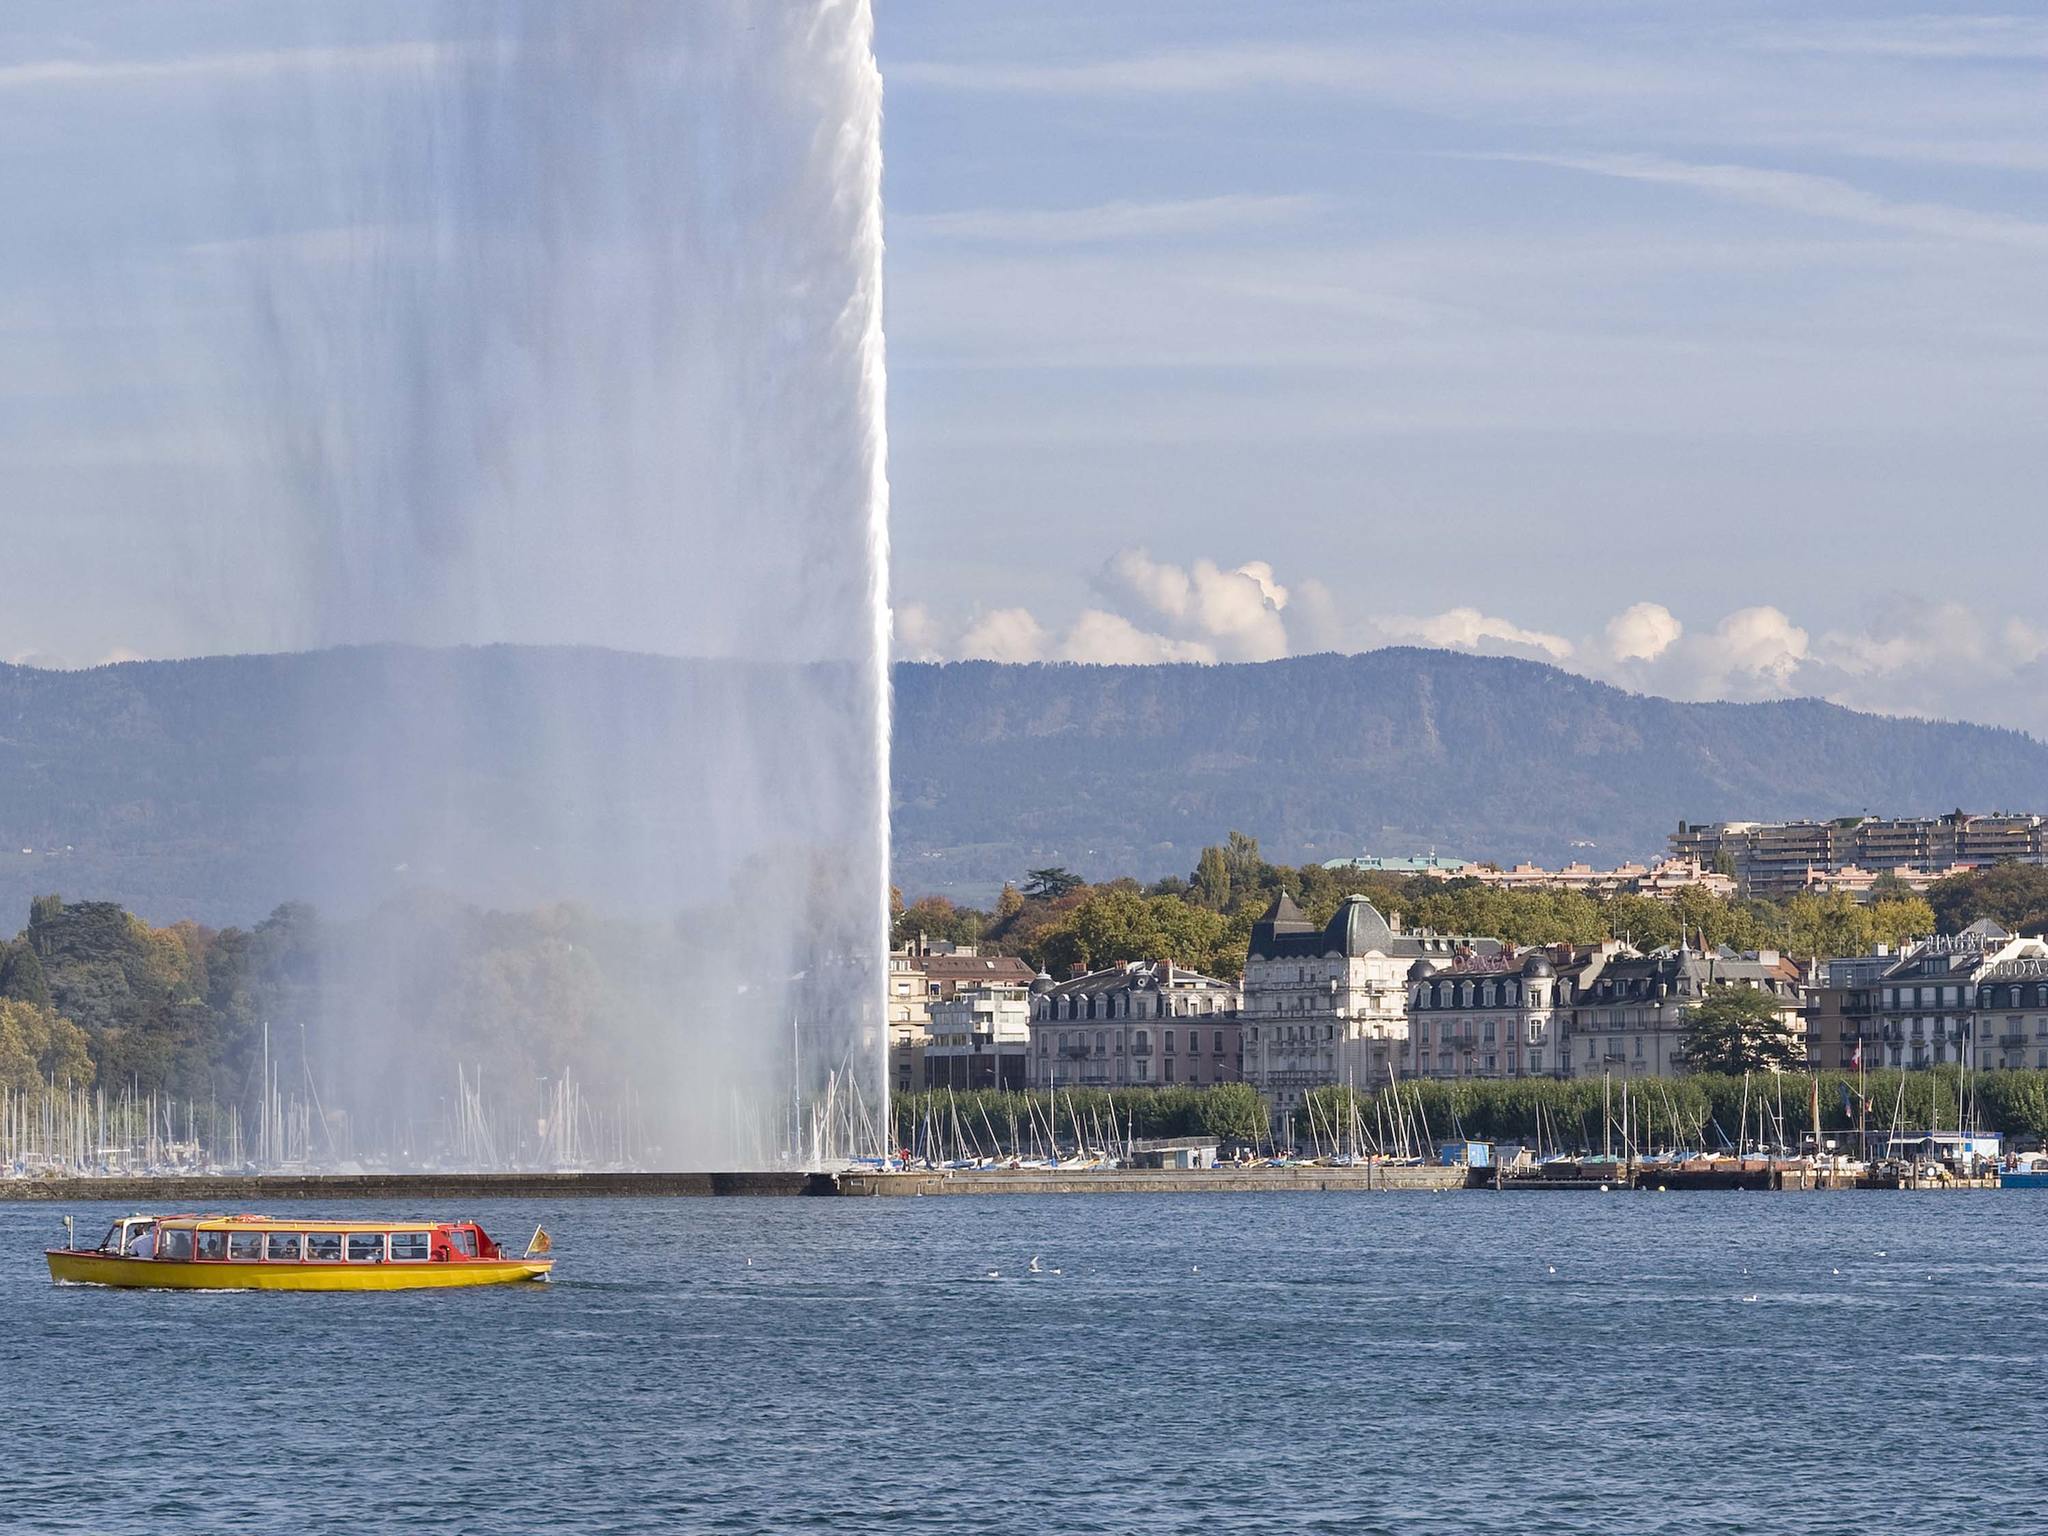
257, 1191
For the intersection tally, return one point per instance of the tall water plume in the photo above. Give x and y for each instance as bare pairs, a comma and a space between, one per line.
566, 342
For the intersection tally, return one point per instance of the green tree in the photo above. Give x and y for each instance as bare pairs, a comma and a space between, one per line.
1009, 902
1826, 926
1897, 921
21, 974
1210, 883
1734, 1030
1051, 883
1234, 1112
2012, 895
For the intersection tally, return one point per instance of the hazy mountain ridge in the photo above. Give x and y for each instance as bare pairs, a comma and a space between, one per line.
182, 787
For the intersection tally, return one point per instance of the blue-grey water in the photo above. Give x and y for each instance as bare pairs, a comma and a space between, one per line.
1353, 1363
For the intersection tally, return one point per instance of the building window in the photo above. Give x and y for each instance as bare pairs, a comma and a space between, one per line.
1169, 1042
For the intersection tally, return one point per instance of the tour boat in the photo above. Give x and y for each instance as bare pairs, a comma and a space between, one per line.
264, 1253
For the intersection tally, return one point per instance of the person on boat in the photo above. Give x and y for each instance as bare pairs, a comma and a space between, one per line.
143, 1245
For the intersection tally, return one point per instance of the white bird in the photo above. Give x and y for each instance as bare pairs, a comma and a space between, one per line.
1749, 1298
992, 1275
1034, 1267
1553, 1269
1055, 1271
1838, 1271
1195, 1269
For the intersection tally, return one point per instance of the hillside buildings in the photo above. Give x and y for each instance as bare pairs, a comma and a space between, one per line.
1141, 1023
1776, 858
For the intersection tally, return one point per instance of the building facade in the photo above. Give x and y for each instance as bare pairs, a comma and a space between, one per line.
1505, 1014
1329, 1005
1775, 858
1927, 1005
1628, 1014
1145, 1022
980, 1038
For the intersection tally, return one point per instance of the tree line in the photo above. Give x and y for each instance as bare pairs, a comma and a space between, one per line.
1203, 920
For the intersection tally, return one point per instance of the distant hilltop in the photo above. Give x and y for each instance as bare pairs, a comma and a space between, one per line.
177, 788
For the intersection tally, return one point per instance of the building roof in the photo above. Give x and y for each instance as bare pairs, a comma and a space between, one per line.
1357, 928
1132, 976
974, 968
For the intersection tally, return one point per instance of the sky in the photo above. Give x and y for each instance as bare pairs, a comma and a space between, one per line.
1701, 349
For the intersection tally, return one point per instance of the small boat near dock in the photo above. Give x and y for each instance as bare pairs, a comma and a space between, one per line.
265, 1253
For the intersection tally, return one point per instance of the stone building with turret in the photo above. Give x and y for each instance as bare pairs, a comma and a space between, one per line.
1328, 1005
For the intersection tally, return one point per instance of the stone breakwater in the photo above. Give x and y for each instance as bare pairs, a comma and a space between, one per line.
216, 1190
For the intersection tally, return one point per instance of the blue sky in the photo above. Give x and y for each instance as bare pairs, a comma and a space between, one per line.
1699, 348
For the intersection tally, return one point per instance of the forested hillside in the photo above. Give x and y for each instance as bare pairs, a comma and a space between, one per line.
198, 789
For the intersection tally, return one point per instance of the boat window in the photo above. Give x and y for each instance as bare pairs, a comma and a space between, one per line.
213, 1246
408, 1246
325, 1246
282, 1246
177, 1243
464, 1242
366, 1247
245, 1247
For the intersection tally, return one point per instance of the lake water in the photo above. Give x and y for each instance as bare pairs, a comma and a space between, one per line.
1345, 1363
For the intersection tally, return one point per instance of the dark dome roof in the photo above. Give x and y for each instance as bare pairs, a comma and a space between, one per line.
1421, 970
1536, 965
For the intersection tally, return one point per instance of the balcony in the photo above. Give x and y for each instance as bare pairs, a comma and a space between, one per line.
2011, 1042
1076, 1052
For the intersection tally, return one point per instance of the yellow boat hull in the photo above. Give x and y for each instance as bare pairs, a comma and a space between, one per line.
180, 1275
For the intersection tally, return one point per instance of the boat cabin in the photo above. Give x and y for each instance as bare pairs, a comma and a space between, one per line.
264, 1240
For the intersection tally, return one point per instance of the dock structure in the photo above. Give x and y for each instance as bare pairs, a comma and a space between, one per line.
217, 1190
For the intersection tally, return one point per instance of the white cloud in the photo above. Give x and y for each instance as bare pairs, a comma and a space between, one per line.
213, 67
1235, 613
1917, 37
1110, 639
1467, 629
1803, 193
1912, 657
1642, 632
917, 635
1007, 634
1109, 222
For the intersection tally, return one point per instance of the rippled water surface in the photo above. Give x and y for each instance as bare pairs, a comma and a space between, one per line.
1465, 1362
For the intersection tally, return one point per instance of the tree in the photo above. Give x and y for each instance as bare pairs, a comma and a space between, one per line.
1234, 1112
1829, 925
1738, 1029
2012, 895
1211, 880
38, 1046
21, 975
1008, 903
1898, 922
1051, 883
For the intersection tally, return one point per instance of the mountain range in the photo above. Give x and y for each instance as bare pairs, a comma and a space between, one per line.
191, 788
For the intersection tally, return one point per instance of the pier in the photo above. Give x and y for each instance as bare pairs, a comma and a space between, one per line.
215, 1190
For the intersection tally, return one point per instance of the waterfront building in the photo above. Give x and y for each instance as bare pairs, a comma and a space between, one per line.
1927, 1005
1628, 1014
1144, 1022
1840, 1010
909, 1015
1499, 1014
980, 1037
2012, 1013
1329, 1005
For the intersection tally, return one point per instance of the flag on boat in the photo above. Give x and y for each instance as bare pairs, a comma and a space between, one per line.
541, 1243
